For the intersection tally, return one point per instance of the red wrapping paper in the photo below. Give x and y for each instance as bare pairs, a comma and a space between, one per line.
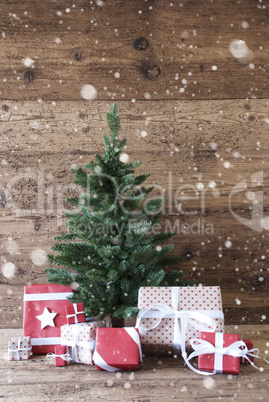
60, 350
45, 299
249, 346
117, 348
206, 362
75, 313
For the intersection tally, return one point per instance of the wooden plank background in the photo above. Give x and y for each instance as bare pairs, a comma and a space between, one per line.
194, 114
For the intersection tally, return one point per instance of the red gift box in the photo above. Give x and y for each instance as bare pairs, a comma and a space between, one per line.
75, 313
60, 356
117, 349
249, 346
217, 362
44, 314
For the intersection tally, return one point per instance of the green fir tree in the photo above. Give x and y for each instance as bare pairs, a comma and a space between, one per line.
110, 249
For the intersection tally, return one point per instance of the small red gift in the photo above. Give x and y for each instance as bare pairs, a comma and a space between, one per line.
75, 313
219, 353
44, 314
60, 356
218, 361
243, 360
117, 349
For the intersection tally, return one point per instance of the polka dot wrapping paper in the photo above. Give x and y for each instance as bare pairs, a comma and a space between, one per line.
198, 299
80, 340
19, 348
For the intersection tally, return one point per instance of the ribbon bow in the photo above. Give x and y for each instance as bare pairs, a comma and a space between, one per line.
236, 349
66, 357
75, 314
19, 349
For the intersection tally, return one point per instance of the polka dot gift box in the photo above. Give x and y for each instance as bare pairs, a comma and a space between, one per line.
19, 348
80, 340
169, 317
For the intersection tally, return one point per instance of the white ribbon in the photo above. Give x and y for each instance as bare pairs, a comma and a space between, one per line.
236, 349
46, 296
19, 349
76, 313
46, 341
75, 342
66, 357
99, 361
181, 320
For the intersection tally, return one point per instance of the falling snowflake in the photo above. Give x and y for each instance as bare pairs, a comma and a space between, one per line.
9, 270
227, 165
209, 383
124, 158
147, 95
38, 257
88, 92
239, 49
244, 25
28, 62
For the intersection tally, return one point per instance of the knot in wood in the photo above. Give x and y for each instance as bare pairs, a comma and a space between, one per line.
37, 226
78, 56
5, 108
150, 71
257, 281
3, 199
187, 254
141, 43
28, 76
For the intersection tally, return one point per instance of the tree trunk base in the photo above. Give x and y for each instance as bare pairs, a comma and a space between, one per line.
117, 322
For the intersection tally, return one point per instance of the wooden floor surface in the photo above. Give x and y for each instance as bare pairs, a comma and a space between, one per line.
159, 379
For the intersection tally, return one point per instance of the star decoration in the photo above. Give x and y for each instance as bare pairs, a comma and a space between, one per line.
46, 318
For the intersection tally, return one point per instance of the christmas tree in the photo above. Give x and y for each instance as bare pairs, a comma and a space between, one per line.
111, 249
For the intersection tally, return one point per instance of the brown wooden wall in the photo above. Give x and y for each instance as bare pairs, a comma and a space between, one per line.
194, 110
